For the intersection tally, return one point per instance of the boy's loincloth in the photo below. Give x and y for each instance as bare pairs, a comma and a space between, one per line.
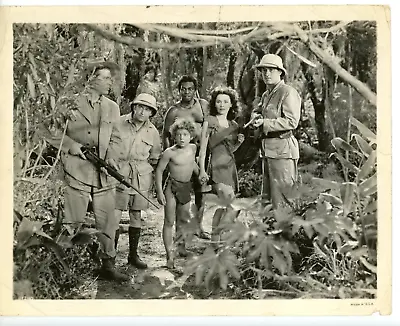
181, 190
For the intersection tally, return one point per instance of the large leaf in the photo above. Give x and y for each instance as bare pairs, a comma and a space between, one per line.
332, 199
59, 253
17, 216
368, 134
238, 233
223, 277
260, 242
327, 184
31, 86
265, 253
359, 252
337, 240
211, 273
371, 267
339, 143
367, 167
365, 148
278, 260
200, 271
70, 75
65, 241
52, 102
86, 236
347, 192
371, 207
231, 265
34, 72
27, 228
283, 213
345, 162
369, 186
322, 230
309, 230
296, 226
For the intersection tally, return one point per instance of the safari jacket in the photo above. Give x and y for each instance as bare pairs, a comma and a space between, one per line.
92, 127
280, 109
141, 146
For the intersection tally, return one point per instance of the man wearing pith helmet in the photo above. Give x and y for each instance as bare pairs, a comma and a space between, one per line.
277, 115
142, 149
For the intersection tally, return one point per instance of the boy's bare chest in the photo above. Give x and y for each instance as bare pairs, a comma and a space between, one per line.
183, 157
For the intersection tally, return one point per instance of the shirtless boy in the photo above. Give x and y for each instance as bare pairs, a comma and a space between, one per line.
179, 160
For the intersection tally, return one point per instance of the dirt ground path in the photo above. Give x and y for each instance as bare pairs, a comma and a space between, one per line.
157, 281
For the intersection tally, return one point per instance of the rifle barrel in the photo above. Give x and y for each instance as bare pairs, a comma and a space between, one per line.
113, 172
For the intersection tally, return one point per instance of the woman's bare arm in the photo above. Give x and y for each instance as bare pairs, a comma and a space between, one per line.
203, 147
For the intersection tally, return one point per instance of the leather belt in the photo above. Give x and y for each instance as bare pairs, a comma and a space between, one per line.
279, 134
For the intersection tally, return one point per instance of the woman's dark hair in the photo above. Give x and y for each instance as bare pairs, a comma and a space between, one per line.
234, 110
187, 79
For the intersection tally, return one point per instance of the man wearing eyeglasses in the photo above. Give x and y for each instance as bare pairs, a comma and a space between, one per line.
92, 121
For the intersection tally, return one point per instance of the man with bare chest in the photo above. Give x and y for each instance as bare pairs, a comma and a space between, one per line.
193, 109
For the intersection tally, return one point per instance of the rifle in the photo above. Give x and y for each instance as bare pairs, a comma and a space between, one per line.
92, 157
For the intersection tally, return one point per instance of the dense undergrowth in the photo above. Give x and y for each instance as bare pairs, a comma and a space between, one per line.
321, 244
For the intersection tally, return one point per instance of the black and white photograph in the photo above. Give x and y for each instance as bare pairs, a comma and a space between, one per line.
196, 160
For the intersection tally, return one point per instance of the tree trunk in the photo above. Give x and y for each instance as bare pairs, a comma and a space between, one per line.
205, 66
323, 136
230, 77
182, 62
319, 109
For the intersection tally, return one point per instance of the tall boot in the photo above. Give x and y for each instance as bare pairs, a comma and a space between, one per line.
116, 238
115, 245
133, 258
109, 272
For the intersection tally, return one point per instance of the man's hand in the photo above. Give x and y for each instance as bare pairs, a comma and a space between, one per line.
76, 149
240, 138
258, 122
255, 115
203, 177
161, 198
110, 162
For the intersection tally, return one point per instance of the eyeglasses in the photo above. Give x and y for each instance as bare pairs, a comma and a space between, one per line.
103, 78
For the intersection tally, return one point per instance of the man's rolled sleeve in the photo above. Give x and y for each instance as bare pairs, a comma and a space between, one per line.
156, 149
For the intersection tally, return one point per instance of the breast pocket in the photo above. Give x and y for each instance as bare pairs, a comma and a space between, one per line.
145, 147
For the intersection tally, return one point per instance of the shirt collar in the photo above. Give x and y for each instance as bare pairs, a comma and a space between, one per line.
277, 85
87, 96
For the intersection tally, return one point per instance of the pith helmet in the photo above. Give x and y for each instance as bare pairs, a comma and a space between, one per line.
148, 100
272, 61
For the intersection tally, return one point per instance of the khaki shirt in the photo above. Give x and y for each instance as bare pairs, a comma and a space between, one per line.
141, 145
281, 109
89, 124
